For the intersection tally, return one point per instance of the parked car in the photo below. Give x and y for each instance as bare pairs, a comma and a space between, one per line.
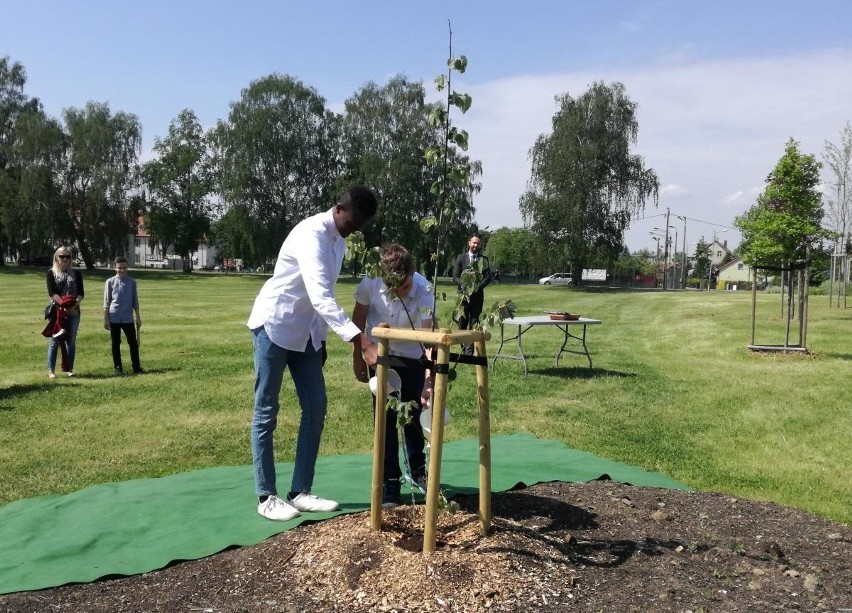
557, 278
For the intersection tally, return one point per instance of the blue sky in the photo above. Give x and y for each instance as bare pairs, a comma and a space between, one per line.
720, 85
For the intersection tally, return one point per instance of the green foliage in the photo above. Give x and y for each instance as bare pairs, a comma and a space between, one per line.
233, 235
786, 222
585, 183
702, 259
387, 132
513, 251
13, 104
278, 158
98, 173
180, 181
454, 177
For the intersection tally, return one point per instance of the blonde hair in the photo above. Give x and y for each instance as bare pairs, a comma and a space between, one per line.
57, 269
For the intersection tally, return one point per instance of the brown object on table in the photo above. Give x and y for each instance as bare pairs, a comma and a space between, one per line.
563, 317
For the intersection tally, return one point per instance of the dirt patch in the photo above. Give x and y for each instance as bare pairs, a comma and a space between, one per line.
597, 546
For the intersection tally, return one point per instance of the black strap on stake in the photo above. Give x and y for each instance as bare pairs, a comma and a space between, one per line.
461, 358
392, 361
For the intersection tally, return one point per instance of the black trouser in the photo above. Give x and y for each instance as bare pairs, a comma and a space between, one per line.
412, 373
471, 310
130, 332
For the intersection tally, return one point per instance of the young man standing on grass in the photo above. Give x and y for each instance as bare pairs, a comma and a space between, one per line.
121, 302
289, 324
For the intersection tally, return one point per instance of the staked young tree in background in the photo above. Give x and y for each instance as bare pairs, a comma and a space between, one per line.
278, 158
99, 169
585, 183
781, 230
179, 183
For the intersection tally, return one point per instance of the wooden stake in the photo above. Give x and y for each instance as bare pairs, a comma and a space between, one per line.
379, 435
484, 442
433, 488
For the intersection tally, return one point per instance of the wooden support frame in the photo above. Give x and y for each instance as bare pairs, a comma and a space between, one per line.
442, 340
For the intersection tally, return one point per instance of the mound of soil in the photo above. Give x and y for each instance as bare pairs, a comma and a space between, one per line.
599, 546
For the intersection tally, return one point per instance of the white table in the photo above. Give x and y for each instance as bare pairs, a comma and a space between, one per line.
525, 324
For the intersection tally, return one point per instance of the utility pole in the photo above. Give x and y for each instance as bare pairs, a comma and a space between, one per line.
683, 269
666, 254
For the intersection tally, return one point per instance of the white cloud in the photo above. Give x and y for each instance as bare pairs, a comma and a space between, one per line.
673, 190
712, 130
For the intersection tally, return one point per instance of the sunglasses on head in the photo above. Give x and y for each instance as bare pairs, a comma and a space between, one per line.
64, 257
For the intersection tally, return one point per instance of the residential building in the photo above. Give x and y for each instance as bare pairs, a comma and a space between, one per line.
143, 252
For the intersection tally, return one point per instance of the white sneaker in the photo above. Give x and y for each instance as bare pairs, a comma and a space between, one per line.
312, 504
276, 509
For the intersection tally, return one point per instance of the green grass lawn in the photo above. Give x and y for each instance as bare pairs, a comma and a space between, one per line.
674, 389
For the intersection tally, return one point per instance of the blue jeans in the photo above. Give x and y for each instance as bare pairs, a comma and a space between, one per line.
70, 340
270, 361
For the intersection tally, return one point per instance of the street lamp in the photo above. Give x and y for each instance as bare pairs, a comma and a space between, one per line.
656, 237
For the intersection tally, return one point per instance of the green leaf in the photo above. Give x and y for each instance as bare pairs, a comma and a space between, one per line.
432, 155
427, 223
459, 64
460, 138
461, 101
437, 117
440, 82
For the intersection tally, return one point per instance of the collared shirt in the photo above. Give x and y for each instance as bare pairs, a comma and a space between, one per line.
297, 303
382, 309
120, 299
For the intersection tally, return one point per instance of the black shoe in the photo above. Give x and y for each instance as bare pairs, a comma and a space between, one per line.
390, 494
119, 371
139, 371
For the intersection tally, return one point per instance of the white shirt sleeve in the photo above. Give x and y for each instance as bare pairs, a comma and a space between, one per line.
320, 266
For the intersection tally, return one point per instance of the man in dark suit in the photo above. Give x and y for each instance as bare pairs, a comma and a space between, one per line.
472, 308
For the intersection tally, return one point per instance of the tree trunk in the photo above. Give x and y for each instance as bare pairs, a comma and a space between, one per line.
85, 252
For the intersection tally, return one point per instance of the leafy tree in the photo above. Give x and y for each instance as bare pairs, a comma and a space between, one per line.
386, 133
99, 169
36, 217
701, 257
512, 251
233, 236
786, 222
180, 181
642, 262
278, 157
585, 183
17, 218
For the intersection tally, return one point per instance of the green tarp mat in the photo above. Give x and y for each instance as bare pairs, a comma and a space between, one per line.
142, 525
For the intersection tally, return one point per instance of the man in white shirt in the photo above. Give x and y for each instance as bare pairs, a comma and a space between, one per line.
289, 323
